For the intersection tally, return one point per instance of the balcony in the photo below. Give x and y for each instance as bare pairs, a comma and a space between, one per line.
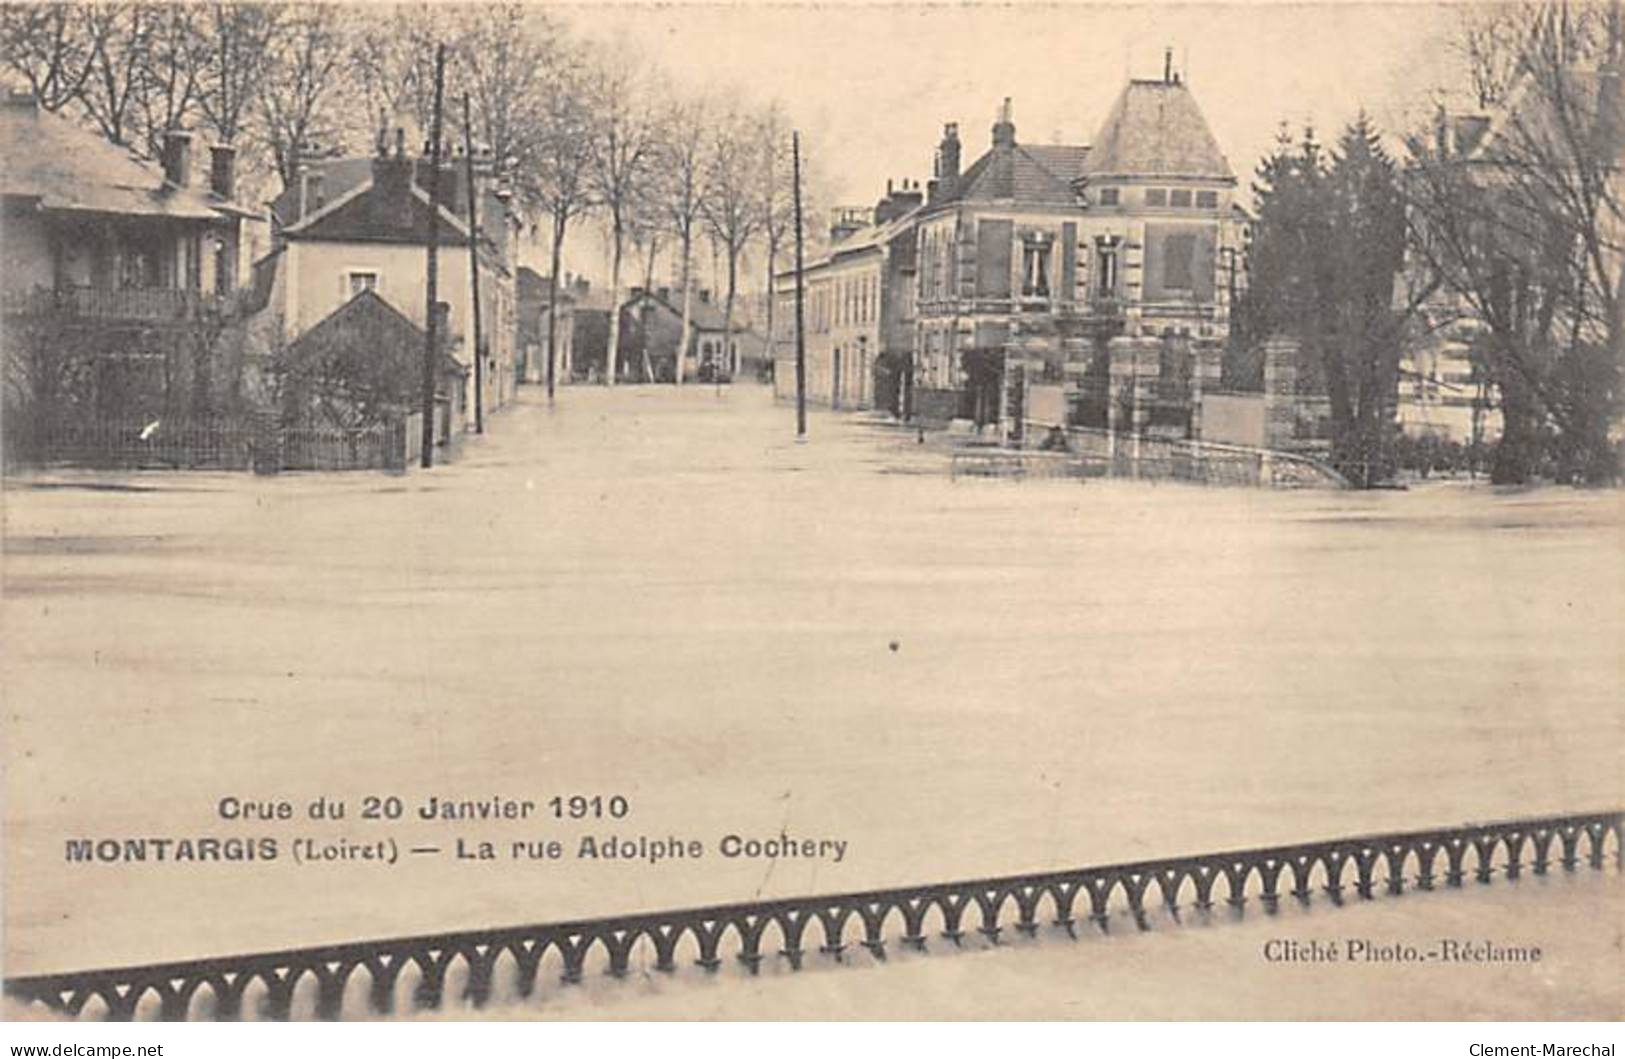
115, 305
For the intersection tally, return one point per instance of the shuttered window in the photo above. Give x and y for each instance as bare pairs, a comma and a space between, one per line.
993, 248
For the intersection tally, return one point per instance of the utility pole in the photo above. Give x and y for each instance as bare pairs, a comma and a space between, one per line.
801, 338
474, 272
432, 281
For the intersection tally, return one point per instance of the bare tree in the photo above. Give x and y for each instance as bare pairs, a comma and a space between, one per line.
553, 167
392, 62
731, 204
623, 151
119, 35
171, 69
297, 97
239, 42
776, 202
684, 164
51, 46
1527, 229
503, 53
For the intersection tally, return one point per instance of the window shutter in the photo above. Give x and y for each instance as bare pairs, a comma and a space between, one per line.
1069, 262
993, 247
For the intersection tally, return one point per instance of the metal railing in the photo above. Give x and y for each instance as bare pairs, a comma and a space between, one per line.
428, 969
150, 304
1127, 455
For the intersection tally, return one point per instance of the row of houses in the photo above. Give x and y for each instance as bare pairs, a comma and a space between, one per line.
149, 295
1093, 285
651, 333
998, 292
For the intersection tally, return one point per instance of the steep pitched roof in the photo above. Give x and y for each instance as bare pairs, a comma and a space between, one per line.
1156, 129
357, 216
339, 175
704, 315
1021, 173
367, 325
44, 156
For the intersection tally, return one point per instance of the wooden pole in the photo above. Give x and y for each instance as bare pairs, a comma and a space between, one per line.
474, 272
801, 338
432, 280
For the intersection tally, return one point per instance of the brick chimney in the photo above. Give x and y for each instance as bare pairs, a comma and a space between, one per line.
223, 170
177, 157
392, 185
1004, 130
948, 153
898, 201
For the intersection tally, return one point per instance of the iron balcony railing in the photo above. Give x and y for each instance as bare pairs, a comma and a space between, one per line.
428, 969
148, 304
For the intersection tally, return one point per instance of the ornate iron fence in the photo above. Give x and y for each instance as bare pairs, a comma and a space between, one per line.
318, 982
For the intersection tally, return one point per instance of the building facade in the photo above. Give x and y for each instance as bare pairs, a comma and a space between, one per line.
1040, 267
119, 278
350, 226
858, 309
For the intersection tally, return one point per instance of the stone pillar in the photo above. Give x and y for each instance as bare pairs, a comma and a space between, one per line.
1280, 392
1135, 366
1206, 368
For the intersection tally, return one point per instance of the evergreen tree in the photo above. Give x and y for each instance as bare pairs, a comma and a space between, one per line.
1328, 243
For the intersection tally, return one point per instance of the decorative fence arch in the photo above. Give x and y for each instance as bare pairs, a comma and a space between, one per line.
374, 974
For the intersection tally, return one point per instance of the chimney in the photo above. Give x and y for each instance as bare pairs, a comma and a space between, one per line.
391, 186
1167, 66
314, 199
948, 153
897, 201
177, 157
223, 170
1004, 130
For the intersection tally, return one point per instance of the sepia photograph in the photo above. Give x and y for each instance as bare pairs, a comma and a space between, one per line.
837, 511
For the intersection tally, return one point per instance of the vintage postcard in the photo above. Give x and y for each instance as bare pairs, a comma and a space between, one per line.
813, 511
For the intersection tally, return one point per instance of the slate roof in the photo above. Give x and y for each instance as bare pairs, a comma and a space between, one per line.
46, 157
367, 324
355, 217
1021, 173
1156, 129
704, 315
339, 175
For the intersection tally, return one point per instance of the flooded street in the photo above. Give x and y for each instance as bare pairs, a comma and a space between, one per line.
659, 596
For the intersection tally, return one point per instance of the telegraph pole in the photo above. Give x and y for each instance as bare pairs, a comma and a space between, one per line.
432, 281
474, 273
801, 338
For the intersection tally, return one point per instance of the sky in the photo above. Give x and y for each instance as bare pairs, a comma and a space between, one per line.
870, 85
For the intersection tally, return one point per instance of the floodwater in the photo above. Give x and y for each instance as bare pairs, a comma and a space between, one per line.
660, 595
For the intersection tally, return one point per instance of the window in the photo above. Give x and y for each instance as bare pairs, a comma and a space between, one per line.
1178, 252
1207, 200
1106, 268
1180, 197
1156, 196
1108, 196
1035, 271
360, 281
